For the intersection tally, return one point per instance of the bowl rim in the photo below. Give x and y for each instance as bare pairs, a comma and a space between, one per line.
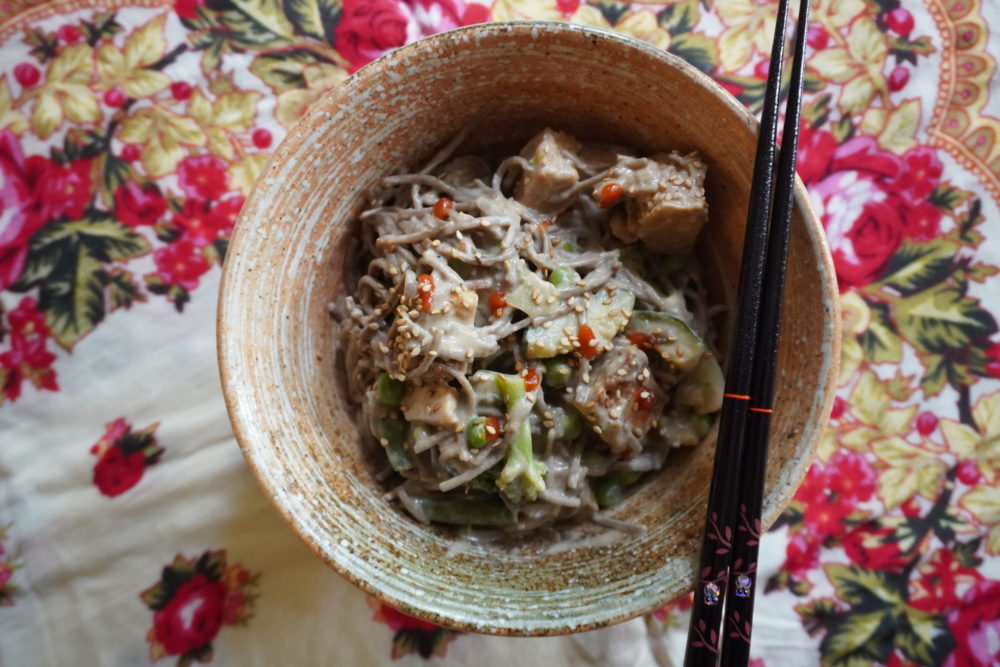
225, 350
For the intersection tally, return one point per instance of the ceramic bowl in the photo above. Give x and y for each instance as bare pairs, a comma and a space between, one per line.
284, 266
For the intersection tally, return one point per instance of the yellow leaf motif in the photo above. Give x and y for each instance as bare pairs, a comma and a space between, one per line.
127, 68
512, 10
749, 24
870, 402
320, 77
911, 470
642, 24
9, 118
858, 66
855, 317
231, 113
967, 443
66, 92
983, 502
162, 135
899, 133
836, 13
146, 45
243, 174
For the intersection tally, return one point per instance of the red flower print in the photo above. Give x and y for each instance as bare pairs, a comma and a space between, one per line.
27, 320
801, 554
850, 476
826, 517
116, 472
193, 601
869, 200
136, 205
193, 616
920, 174
874, 548
8, 564
187, 9
181, 264
200, 224
412, 635
397, 620
123, 456
202, 177
33, 191
813, 487
369, 28
27, 358
936, 589
975, 624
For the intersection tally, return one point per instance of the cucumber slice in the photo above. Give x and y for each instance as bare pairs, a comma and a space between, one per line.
607, 314
702, 390
531, 294
542, 343
676, 342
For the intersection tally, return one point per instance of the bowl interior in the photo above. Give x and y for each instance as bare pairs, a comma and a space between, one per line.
285, 265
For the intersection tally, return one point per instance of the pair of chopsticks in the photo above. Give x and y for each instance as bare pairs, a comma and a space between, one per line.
727, 576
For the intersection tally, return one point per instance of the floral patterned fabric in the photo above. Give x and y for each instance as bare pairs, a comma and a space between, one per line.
130, 529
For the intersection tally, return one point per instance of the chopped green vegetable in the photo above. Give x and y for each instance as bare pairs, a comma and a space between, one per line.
531, 294
563, 276
477, 433
676, 342
394, 432
523, 476
463, 510
568, 247
608, 492
543, 343
557, 371
607, 313
702, 390
673, 263
389, 390
571, 424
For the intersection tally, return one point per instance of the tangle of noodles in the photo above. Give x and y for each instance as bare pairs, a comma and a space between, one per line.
520, 343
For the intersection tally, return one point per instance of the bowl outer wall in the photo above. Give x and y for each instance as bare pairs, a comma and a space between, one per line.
275, 339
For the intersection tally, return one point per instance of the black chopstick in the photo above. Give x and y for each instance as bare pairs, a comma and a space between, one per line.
744, 378
746, 530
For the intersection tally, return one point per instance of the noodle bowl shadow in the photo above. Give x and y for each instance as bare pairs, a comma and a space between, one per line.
285, 264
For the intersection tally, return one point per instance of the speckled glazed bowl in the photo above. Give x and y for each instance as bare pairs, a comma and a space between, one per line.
286, 399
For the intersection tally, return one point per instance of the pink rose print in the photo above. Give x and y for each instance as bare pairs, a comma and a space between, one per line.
122, 456
193, 601
33, 191
977, 621
869, 200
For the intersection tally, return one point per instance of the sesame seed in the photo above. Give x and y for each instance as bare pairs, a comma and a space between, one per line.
384, 348
598, 430
435, 243
547, 325
490, 430
383, 442
549, 424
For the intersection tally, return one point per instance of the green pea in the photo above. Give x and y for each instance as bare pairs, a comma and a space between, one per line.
571, 424
388, 390
562, 276
626, 477
557, 371
674, 263
393, 429
608, 492
477, 433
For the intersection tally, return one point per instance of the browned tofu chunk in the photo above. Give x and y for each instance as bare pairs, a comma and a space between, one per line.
550, 172
622, 400
665, 205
